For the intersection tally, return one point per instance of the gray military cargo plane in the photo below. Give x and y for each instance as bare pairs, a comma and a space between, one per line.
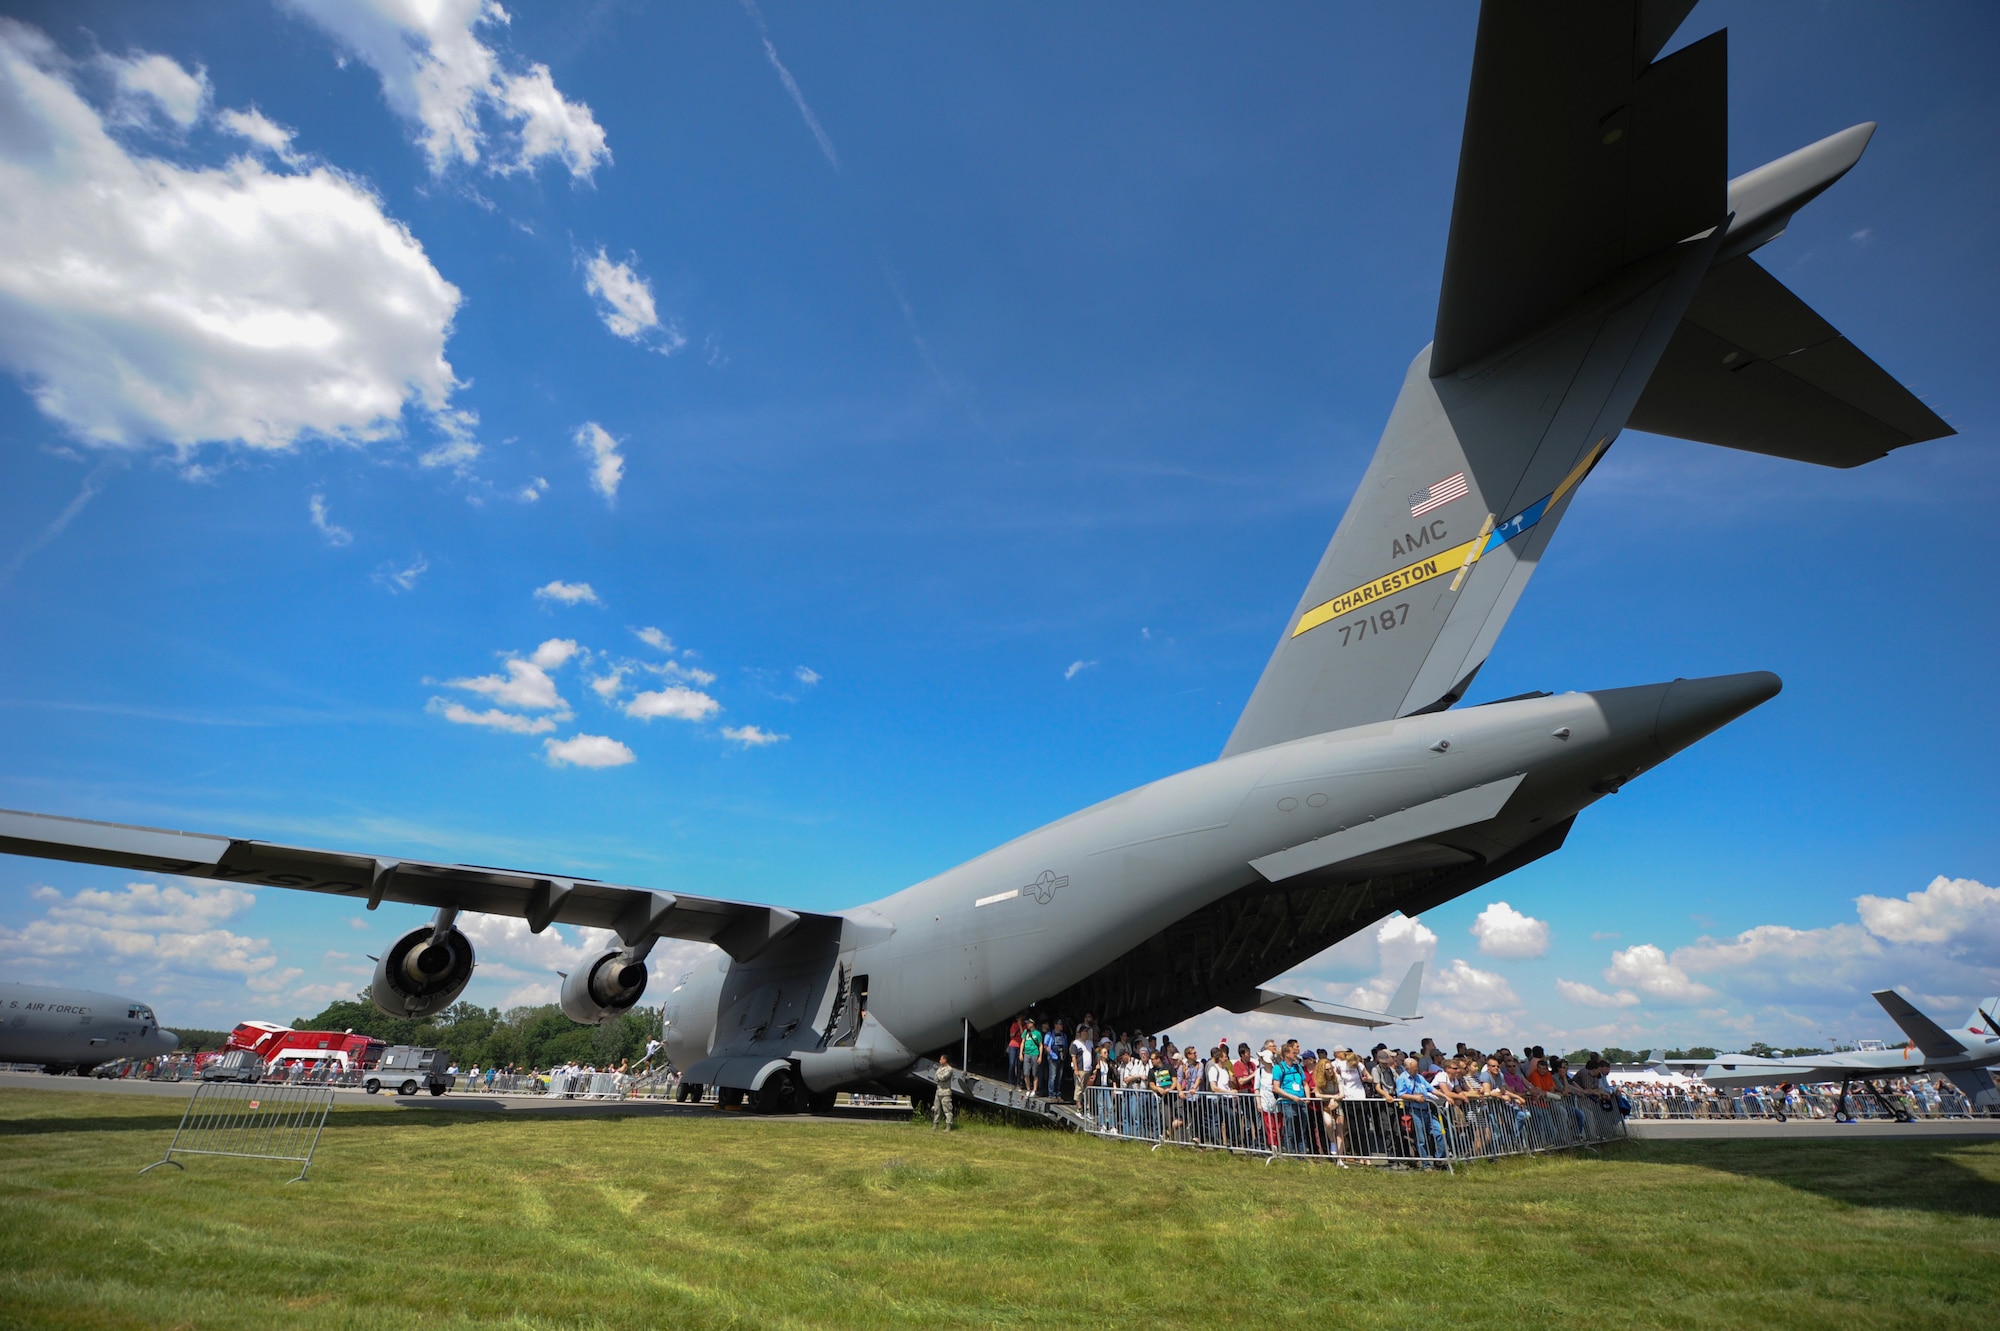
1597, 275
1964, 1055
73, 1030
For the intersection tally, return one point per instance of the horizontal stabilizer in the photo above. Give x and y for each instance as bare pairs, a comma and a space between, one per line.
1402, 1005
1754, 367
1931, 1039
1412, 824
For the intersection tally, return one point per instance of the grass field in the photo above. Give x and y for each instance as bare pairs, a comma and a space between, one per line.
433, 1219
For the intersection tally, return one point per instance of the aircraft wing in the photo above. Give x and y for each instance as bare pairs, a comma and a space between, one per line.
1931, 1039
740, 928
1402, 1005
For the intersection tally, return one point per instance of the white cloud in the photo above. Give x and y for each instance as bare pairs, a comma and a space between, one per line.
1646, 968
1503, 931
806, 675
259, 129
146, 302
402, 579
492, 718
527, 684
587, 751
1584, 996
335, 535
680, 672
437, 72
682, 704
569, 593
167, 941
553, 653
751, 737
1466, 988
652, 637
1076, 668
533, 490
178, 95
625, 303
608, 686
1950, 909
607, 465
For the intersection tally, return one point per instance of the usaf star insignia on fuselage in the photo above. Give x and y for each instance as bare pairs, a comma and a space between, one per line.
1597, 274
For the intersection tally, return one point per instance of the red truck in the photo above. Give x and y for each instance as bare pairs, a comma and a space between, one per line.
281, 1048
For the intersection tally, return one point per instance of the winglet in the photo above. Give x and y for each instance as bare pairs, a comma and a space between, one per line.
1931, 1039
1403, 1003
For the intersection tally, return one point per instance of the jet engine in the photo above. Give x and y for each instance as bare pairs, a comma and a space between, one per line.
424, 973
603, 988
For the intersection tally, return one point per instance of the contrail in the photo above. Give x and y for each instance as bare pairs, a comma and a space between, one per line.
92, 483
792, 86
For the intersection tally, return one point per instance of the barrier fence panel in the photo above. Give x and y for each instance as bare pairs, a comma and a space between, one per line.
1430, 1134
252, 1121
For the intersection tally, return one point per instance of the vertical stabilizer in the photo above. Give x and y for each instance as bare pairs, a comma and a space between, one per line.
1590, 202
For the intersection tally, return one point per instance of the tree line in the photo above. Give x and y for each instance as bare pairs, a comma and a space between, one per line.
524, 1037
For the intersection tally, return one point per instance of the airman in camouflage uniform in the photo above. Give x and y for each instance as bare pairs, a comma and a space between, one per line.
941, 1105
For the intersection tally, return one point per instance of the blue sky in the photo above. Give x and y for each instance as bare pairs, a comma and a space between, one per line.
960, 397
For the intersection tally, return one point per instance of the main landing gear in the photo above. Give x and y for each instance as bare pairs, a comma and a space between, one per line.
1842, 1114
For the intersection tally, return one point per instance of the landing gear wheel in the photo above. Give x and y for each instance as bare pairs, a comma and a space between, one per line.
728, 1097
821, 1102
778, 1095
371, 1086
407, 1088
684, 1093
1843, 1118
437, 1090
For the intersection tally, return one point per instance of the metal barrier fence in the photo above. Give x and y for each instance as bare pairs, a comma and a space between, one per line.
1810, 1102
1365, 1131
251, 1121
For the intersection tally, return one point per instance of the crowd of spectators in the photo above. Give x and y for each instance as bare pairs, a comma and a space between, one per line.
1284, 1096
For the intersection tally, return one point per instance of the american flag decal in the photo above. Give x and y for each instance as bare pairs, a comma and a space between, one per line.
1450, 488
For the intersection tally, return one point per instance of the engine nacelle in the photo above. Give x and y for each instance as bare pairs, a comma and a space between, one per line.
603, 988
423, 974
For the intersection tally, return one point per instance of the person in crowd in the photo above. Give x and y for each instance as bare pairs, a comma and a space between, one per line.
1082, 1056
1014, 1030
1267, 1098
1031, 1057
1415, 1095
1055, 1057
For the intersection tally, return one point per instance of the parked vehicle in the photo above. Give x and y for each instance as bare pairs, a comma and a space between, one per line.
404, 1068
234, 1065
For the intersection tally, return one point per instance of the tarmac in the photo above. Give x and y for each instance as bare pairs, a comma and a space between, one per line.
1796, 1129
453, 1102
1807, 1129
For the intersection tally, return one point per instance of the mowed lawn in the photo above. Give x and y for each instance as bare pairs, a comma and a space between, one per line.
418, 1218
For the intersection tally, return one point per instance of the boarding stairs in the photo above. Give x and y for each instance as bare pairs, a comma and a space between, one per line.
992, 1091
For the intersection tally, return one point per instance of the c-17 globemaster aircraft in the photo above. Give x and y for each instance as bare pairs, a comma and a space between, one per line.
1964, 1055
1597, 275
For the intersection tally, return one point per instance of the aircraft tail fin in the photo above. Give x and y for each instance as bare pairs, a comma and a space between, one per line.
1405, 1002
1985, 1019
1590, 202
1931, 1039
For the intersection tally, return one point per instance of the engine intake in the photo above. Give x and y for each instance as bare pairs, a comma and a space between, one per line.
423, 974
605, 988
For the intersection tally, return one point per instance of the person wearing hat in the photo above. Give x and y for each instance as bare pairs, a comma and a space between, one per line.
1267, 1097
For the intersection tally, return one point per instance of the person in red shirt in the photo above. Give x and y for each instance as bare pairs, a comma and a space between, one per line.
1014, 1052
1243, 1081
